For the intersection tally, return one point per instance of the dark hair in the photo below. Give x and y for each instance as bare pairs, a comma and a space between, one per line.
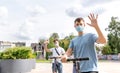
55, 40
78, 19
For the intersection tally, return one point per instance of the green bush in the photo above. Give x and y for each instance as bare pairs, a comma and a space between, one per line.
106, 50
17, 53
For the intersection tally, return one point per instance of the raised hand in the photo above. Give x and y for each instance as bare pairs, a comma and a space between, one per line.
46, 42
93, 19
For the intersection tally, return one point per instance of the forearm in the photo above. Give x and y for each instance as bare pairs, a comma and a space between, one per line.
66, 55
68, 52
46, 49
101, 39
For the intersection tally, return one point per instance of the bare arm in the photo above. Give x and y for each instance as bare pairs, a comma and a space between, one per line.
45, 46
101, 39
46, 49
67, 54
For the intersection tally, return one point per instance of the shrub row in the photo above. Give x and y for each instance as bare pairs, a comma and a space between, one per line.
17, 53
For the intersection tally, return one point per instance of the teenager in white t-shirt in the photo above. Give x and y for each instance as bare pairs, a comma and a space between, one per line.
57, 51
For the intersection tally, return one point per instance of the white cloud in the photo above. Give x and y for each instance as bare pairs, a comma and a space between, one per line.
31, 19
80, 11
87, 3
3, 12
84, 7
75, 11
36, 10
25, 31
3, 22
3, 15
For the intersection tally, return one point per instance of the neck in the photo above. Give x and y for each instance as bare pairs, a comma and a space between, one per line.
56, 46
80, 33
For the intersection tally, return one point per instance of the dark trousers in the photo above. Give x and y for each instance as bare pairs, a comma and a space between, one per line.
74, 71
57, 67
90, 72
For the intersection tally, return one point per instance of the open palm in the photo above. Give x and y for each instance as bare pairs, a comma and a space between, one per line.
93, 19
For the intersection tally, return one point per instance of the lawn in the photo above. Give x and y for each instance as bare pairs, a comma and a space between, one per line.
49, 61
42, 61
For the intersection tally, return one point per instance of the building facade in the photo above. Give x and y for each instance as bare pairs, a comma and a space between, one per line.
6, 44
39, 49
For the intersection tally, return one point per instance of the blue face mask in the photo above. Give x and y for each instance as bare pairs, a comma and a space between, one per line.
79, 28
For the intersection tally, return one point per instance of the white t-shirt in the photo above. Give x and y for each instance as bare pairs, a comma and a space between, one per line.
60, 50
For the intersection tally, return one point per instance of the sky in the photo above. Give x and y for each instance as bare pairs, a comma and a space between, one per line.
30, 20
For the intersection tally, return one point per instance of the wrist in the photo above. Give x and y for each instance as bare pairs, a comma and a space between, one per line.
46, 43
66, 56
96, 26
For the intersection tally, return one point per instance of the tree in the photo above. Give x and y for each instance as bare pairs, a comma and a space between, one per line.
55, 36
114, 35
70, 37
106, 50
64, 43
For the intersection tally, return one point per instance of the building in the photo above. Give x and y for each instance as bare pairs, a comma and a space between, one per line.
18, 44
39, 49
6, 44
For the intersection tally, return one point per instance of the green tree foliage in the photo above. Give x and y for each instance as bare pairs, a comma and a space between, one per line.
106, 50
70, 37
54, 36
64, 43
114, 35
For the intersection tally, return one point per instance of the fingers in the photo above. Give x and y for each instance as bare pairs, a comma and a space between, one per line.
89, 24
64, 59
96, 16
89, 17
92, 16
46, 42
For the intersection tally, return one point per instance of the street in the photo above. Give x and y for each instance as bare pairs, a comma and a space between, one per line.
104, 67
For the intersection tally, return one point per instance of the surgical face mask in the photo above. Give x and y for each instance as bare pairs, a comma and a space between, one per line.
57, 44
79, 28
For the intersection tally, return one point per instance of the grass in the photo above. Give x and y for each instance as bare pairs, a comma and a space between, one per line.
108, 60
49, 61
103, 60
42, 61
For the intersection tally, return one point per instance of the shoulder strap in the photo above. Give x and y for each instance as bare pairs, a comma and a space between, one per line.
57, 51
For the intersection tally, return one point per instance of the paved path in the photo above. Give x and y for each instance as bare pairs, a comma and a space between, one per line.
104, 67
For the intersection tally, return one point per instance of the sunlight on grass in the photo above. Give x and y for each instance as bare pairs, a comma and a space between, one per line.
43, 61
